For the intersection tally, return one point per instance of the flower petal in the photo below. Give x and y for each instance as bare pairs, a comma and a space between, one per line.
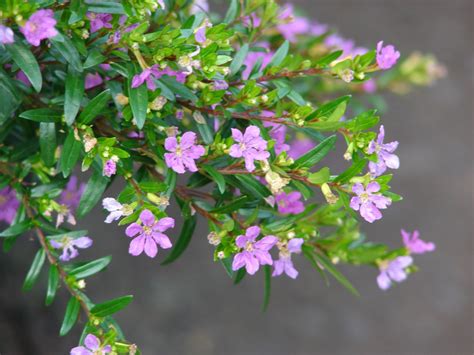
111, 204
133, 229
150, 247
147, 218
137, 245
92, 342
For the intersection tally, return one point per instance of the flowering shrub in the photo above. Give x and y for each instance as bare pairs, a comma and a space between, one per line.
232, 118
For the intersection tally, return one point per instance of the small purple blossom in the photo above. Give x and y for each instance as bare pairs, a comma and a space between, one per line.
253, 57
252, 19
110, 168
149, 235
369, 86
220, 85
92, 80
8, 205
200, 32
386, 56
284, 263
250, 146
183, 153
6, 35
385, 158
368, 202
99, 21
291, 26
91, 346
416, 245
39, 26
149, 74
289, 203
69, 245
299, 147
278, 133
71, 195
253, 253
393, 271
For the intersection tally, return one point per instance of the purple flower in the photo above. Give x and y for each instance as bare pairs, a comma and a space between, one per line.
6, 35
149, 74
71, 195
336, 41
393, 271
92, 347
252, 20
92, 80
150, 234
8, 205
220, 85
284, 263
110, 168
386, 56
99, 21
198, 6
253, 57
289, 203
253, 253
69, 245
39, 26
250, 146
414, 244
200, 32
369, 86
384, 151
291, 25
368, 202
299, 147
278, 133
184, 153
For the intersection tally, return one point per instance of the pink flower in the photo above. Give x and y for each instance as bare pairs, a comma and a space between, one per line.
92, 347
250, 146
369, 86
368, 202
71, 195
183, 153
253, 57
39, 26
99, 21
278, 133
289, 203
149, 74
110, 168
385, 157
69, 245
298, 147
386, 56
284, 263
253, 253
416, 245
8, 205
6, 35
92, 80
393, 271
149, 235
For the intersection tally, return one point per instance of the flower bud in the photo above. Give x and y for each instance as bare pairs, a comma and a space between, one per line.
121, 99
328, 194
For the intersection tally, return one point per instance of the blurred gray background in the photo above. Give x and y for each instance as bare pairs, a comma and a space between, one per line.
191, 306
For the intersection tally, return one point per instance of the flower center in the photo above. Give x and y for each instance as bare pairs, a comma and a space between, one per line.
147, 230
179, 151
249, 246
364, 197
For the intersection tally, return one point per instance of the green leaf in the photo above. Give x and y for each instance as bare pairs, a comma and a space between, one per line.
326, 111
70, 317
66, 47
217, 176
92, 194
239, 275
69, 154
105, 7
363, 121
355, 169
227, 264
280, 54
94, 58
232, 12
53, 282
17, 229
178, 88
73, 95
317, 153
91, 268
326, 263
252, 185
42, 115
233, 206
26, 61
239, 59
170, 181
94, 107
328, 59
111, 307
319, 177
34, 271
138, 101
183, 241
47, 141
268, 286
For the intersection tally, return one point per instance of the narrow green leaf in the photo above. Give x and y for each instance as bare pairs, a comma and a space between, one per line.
232, 11
217, 176
319, 177
280, 54
326, 110
183, 241
73, 95
268, 286
170, 181
53, 282
317, 153
17, 229
70, 317
26, 61
42, 115
94, 107
64, 45
47, 141
233, 206
227, 264
69, 154
239, 275
178, 88
239, 59
326, 263
105, 7
111, 307
252, 185
328, 59
94, 58
91, 268
355, 169
138, 101
92, 194
34, 271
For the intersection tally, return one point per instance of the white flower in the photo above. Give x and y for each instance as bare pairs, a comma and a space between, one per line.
116, 209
